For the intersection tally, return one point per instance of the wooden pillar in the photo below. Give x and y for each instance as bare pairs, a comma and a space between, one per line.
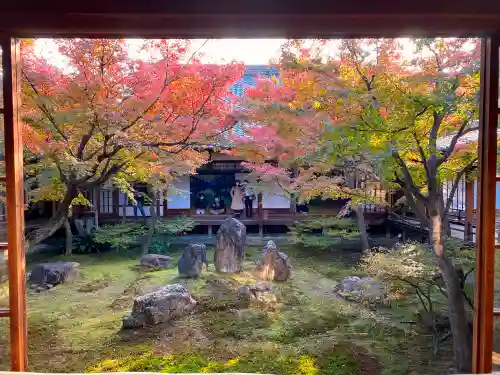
158, 202
116, 202
97, 204
485, 250
469, 209
15, 202
260, 211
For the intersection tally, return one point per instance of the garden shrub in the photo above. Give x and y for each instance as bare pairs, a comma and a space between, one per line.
323, 232
118, 237
167, 230
412, 267
124, 236
174, 227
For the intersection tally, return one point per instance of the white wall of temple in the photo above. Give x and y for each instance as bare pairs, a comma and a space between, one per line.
179, 195
275, 198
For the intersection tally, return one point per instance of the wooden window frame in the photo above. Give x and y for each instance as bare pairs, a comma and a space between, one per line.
198, 18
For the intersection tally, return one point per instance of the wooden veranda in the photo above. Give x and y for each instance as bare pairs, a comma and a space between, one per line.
197, 18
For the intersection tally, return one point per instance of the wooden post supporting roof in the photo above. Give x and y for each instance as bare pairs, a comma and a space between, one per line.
485, 255
15, 202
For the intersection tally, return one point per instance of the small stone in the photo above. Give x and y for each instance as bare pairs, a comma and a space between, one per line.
33, 286
49, 286
40, 289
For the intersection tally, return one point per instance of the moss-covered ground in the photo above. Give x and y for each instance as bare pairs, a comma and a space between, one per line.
76, 327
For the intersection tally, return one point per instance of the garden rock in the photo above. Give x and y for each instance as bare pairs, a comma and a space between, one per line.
53, 273
358, 289
230, 246
259, 292
156, 261
192, 260
273, 264
167, 303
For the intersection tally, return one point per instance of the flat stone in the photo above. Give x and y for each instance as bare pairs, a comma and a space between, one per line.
258, 292
358, 289
53, 273
170, 302
156, 261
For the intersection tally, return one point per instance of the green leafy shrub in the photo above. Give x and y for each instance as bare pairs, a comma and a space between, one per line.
174, 227
167, 230
118, 237
323, 232
85, 245
159, 245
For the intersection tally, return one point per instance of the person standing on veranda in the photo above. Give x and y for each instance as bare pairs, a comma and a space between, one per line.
237, 199
249, 198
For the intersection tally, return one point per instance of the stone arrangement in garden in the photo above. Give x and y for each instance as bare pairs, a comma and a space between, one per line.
230, 246
47, 275
156, 261
273, 264
167, 303
192, 261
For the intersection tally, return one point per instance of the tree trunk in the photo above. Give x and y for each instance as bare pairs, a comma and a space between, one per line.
360, 217
461, 333
55, 222
152, 223
69, 237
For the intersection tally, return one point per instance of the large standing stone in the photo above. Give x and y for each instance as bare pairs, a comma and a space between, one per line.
230, 246
53, 273
170, 302
156, 261
192, 260
273, 264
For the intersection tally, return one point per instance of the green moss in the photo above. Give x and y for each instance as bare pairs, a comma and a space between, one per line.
256, 361
338, 362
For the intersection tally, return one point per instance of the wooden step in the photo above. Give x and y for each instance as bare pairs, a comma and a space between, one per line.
495, 358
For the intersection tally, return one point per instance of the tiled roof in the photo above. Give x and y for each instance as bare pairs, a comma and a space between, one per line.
252, 72
466, 139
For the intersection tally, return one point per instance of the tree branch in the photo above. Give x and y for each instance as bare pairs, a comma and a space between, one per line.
449, 200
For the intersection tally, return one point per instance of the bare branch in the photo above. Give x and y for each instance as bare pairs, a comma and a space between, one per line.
469, 167
408, 180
